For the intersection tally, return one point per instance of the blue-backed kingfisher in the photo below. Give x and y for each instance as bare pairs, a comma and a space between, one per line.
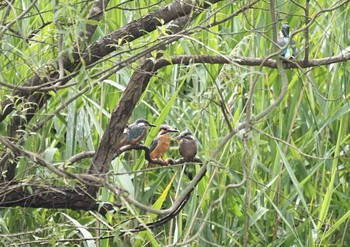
135, 131
187, 145
283, 40
161, 143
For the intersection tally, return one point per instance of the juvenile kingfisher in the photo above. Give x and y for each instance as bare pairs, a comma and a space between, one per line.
283, 40
161, 143
187, 145
135, 131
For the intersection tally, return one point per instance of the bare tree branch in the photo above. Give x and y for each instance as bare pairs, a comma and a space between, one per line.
252, 61
39, 196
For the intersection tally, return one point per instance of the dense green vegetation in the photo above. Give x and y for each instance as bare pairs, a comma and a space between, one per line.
274, 136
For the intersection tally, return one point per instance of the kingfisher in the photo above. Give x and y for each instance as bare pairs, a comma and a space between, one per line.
283, 40
187, 145
135, 131
161, 143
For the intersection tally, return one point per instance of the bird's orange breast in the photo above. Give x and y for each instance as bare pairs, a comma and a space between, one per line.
162, 147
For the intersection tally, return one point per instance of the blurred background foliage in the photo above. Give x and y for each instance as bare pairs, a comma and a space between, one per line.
297, 190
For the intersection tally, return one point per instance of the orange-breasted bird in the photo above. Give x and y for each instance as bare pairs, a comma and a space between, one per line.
187, 145
136, 131
161, 143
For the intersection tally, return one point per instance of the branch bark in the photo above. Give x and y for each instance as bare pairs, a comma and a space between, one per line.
39, 196
252, 61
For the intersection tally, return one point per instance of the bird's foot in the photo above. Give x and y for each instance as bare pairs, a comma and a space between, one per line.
165, 162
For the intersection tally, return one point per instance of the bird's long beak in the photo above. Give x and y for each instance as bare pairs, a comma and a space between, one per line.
152, 125
173, 130
178, 137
